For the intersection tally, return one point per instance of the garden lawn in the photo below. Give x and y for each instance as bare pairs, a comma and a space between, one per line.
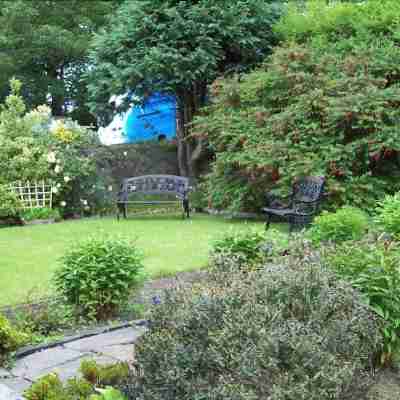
29, 255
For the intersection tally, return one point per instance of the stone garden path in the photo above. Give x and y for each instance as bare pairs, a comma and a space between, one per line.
65, 359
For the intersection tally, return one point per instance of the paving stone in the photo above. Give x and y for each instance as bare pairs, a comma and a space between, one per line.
32, 365
101, 342
7, 394
120, 352
16, 385
4, 373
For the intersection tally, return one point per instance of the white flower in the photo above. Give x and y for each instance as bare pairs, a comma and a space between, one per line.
54, 189
58, 185
51, 157
63, 203
57, 169
84, 202
125, 153
110, 188
67, 179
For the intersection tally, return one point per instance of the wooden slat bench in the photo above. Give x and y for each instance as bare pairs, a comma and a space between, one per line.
176, 186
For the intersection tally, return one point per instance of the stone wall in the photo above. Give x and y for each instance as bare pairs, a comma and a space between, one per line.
122, 161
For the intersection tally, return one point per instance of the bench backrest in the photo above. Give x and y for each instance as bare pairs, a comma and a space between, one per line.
157, 184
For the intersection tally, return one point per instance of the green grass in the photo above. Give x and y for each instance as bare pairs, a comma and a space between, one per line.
29, 255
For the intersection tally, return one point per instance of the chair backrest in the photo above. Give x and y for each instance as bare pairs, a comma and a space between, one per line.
157, 184
309, 188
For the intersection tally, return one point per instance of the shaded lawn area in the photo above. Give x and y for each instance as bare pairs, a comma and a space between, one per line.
29, 255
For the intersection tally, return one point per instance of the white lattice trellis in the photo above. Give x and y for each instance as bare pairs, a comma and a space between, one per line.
33, 194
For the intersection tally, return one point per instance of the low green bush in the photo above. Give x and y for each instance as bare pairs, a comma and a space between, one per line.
97, 276
388, 214
245, 250
288, 332
347, 223
373, 268
40, 213
10, 339
94, 384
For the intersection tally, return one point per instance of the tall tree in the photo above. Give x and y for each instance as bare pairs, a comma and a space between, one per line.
44, 44
179, 47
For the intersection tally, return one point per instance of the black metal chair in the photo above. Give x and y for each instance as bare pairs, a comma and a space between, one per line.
303, 204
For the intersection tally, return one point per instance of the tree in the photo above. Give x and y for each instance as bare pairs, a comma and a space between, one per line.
44, 44
179, 47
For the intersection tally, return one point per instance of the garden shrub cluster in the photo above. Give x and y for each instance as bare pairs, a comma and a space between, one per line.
347, 223
94, 384
97, 275
10, 339
325, 103
294, 331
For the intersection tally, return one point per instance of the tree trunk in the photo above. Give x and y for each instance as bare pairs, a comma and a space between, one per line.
56, 90
189, 149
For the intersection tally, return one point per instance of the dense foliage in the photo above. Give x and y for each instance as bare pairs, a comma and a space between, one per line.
97, 275
178, 47
45, 45
325, 103
9, 204
293, 331
347, 223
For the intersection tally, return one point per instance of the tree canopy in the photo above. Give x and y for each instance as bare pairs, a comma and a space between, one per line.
178, 47
325, 103
44, 44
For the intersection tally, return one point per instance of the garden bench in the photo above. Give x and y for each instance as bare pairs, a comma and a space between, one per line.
304, 203
172, 185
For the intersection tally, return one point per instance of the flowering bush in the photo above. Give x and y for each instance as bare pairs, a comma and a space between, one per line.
33, 147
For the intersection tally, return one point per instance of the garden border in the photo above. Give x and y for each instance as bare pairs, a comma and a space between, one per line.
28, 350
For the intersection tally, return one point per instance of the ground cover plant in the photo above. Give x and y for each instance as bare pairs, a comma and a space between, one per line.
29, 255
325, 103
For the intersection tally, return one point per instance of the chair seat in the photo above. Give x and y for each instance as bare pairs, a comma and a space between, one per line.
282, 212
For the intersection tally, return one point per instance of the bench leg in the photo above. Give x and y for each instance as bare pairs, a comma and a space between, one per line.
186, 208
268, 222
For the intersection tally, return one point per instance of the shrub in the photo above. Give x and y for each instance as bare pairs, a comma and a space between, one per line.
388, 214
10, 339
348, 223
9, 204
40, 213
244, 250
288, 332
373, 268
98, 275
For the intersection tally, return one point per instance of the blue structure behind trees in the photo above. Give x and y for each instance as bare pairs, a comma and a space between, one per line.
152, 119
